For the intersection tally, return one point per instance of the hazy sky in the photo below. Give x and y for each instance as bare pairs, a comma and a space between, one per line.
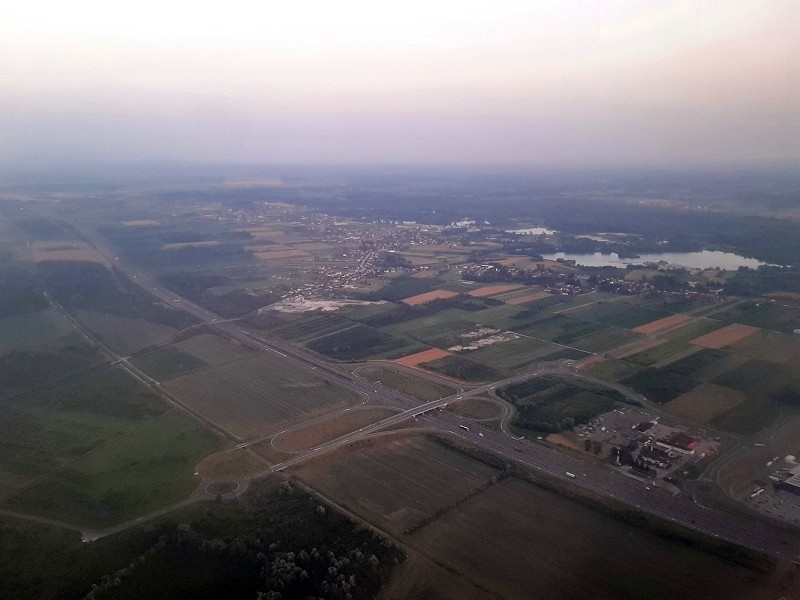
497, 82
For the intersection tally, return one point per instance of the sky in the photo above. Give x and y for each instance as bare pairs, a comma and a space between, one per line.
609, 83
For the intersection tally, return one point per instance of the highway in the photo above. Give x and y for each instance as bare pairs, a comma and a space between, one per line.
754, 532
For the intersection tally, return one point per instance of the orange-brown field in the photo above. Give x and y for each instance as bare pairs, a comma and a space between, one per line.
528, 298
412, 360
662, 324
427, 297
725, 336
491, 290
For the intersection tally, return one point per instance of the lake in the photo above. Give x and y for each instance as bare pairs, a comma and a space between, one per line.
707, 259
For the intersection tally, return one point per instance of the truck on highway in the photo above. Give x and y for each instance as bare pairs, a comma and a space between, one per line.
464, 427
572, 475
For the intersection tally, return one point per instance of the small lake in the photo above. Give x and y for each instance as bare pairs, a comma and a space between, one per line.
707, 259
532, 231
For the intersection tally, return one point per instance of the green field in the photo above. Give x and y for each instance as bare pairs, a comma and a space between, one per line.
167, 362
553, 404
360, 342
465, 369
48, 329
130, 476
48, 430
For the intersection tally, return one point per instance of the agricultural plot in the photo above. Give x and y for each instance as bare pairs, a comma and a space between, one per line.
123, 335
560, 329
316, 434
725, 336
552, 404
616, 313
526, 298
43, 329
571, 551
614, 370
212, 349
458, 367
769, 345
165, 363
412, 360
705, 402
659, 385
131, 476
514, 354
360, 342
45, 431
428, 329
605, 340
396, 483
422, 389
312, 326
766, 315
428, 297
663, 324
493, 290
257, 395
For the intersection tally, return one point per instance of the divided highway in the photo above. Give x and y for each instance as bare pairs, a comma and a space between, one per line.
753, 532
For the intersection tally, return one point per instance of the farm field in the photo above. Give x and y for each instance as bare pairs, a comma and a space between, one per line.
663, 324
313, 435
257, 395
725, 336
235, 463
513, 355
46, 431
423, 389
48, 328
572, 551
212, 349
458, 367
360, 342
167, 362
428, 296
412, 360
396, 483
123, 335
705, 402
492, 290
130, 476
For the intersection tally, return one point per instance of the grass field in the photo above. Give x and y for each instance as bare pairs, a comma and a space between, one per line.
44, 329
123, 335
167, 362
258, 395
48, 430
212, 349
465, 369
360, 342
513, 355
130, 476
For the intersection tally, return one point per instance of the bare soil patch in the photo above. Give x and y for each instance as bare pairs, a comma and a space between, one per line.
662, 324
725, 336
412, 360
181, 245
491, 290
428, 297
337, 426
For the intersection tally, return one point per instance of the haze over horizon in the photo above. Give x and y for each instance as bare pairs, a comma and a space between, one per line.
670, 83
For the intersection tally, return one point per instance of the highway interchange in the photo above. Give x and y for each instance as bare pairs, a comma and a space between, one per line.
750, 531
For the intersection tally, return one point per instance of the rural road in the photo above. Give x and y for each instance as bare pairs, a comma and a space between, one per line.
753, 532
